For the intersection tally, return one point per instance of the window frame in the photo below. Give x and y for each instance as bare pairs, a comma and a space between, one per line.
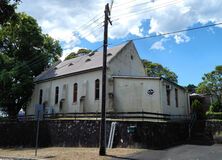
97, 89
56, 94
40, 96
168, 94
75, 92
176, 97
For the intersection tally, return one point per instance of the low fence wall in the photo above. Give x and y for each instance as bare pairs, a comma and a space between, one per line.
214, 128
85, 133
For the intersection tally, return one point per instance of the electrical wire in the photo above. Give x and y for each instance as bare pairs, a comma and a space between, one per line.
173, 2
168, 33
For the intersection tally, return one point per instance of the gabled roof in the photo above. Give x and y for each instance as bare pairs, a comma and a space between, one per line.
79, 64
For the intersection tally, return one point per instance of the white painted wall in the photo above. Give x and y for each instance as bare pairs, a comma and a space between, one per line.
130, 94
127, 63
86, 87
183, 106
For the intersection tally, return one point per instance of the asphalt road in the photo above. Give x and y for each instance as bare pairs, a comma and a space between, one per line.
183, 152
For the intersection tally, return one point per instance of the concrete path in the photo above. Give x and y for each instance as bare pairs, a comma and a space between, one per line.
183, 152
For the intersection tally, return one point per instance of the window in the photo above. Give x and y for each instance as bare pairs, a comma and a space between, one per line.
131, 57
75, 92
56, 95
40, 96
97, 89
176, 97
168, 94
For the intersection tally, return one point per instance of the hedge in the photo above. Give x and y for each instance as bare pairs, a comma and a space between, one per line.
214, 115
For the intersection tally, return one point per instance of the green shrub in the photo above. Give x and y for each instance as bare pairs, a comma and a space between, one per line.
214, 115
197, 109
216, 107
196, 105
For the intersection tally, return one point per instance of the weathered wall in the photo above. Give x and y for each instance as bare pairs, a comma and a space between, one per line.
86, 87
130, 94
151, 135
86, 134
183, 101
127, 63
214, 129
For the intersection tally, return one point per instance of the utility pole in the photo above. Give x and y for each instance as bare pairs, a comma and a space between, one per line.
102, 150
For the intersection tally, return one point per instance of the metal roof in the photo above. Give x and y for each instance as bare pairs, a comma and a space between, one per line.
79, 64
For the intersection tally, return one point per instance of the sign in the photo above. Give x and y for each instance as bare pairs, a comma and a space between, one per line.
38, 111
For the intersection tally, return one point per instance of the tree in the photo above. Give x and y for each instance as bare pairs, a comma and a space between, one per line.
24, 53
80, 52
15, 85
157, 70
191, 88
212, 84
71, 56
7, 10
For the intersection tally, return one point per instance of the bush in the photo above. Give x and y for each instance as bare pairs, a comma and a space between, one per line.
216, 107
197, 109
196, 105
214, 115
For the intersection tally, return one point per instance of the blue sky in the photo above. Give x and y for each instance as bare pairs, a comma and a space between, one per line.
188, 54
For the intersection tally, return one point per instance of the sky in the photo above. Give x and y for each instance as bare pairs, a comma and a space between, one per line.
79, 24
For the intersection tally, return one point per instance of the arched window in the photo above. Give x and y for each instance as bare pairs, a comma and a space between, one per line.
168, 94
97, 89
176, 97
75, 92
40, 96
56, 95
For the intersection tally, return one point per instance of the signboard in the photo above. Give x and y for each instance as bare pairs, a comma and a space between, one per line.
39, 111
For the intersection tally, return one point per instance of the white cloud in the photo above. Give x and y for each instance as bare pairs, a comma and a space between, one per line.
181, 38
158, 45
66, 52
184, 14
61, 19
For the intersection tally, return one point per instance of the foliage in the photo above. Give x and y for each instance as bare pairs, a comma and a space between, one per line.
196, 107
15, 85
212, 84
214, 115
71, 56
157, 70
7, 10
80, 52
216, 107
191, 88
24, 53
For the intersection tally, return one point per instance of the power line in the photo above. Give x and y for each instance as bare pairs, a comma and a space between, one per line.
85, 34
89, 23
129, 6
169, 33
38, 61
146, 9
121, 4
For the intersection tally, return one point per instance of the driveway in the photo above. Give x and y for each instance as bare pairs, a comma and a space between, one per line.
183, 152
